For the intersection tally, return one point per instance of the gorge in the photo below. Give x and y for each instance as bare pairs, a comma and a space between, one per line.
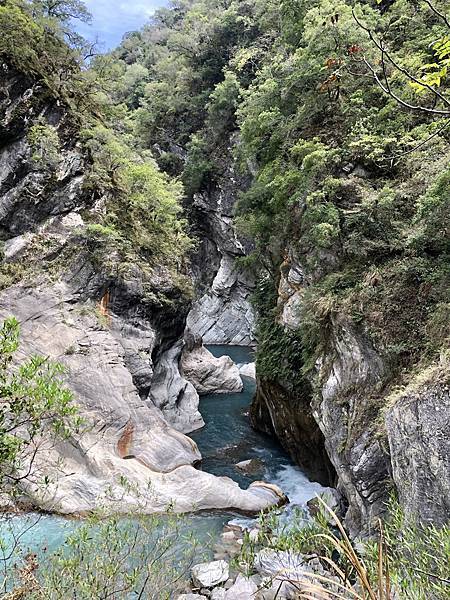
235, 177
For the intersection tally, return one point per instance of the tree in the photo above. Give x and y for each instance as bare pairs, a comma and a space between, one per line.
389, 67
33, 403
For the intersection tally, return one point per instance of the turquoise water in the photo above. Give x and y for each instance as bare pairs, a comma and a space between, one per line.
226, 439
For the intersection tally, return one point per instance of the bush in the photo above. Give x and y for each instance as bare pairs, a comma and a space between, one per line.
108, 557
34, 402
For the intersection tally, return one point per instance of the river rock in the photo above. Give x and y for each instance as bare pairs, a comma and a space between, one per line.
283, 568
332, 501
250, 467
208, 374
248, 370
210, 574
218, 593
191, 597
243, 589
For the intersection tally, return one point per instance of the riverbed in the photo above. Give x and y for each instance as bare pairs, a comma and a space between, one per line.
226, 439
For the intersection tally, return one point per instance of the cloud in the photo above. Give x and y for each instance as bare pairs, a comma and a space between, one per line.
111, 20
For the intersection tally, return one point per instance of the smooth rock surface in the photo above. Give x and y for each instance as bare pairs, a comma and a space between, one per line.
208, 374
243, 589
210, 574
127, 438
175, 395
248, 370
218, 593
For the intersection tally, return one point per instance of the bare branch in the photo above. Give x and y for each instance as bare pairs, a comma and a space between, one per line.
385, 84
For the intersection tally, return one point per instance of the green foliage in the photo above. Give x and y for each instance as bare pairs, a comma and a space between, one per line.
45, 145
414, 556
34, 401
144, 208
106, 556
120, 557
279, 352
418, 557
34, 39
432, 218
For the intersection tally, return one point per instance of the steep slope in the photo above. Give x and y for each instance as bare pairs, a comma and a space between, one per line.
341, 147
94, 267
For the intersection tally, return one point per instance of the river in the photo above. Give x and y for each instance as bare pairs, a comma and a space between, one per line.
226, 439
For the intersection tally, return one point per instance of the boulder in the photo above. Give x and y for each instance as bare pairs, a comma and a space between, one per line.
208, 374
282, 568
218, 593
250, 467
243, 589
248, 370
210, 574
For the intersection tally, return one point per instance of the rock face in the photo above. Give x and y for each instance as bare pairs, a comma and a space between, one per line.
206, 373
344, 411
287, 414
222, 314
174, 395
337, 431
127, 437
418, 428
115, 324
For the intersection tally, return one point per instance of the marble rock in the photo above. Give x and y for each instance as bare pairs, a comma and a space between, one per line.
243, 589
210, 574
208, 374
248, 370
126, 438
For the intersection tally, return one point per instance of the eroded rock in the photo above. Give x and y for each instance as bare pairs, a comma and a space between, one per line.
174, 394
208, 374
210, 574
248, 370
418, 427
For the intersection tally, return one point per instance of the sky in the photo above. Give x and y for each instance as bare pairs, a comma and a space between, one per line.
112, 18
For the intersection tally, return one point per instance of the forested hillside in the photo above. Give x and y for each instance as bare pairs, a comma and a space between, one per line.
341, 111
272, 174
335, 115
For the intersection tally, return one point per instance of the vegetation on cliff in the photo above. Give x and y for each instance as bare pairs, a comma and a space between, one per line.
138, 221
341, 110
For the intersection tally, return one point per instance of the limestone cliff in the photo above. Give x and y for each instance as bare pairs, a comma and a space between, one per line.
116, 324
376, 443
222, 312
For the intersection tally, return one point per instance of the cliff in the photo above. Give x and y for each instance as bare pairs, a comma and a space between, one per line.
114, 319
